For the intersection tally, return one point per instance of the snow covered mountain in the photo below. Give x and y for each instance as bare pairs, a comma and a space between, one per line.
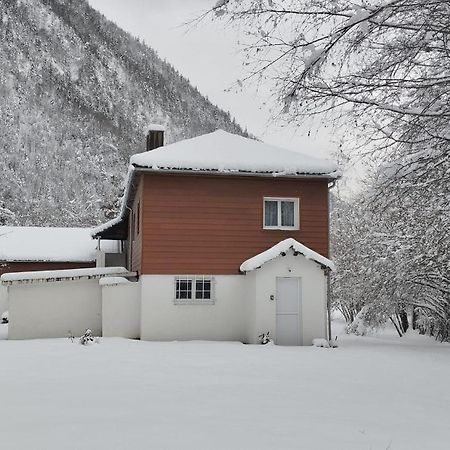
77, 94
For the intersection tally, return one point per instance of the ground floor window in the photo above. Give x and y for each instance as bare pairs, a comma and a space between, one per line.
194, 289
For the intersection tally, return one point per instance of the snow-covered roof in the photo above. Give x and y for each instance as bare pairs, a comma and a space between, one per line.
50, 244
105, 226
156, 127
283, 247
67, 274
226, 154
230, 154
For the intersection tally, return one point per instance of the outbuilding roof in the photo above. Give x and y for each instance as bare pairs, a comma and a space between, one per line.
283, 247
228, 153
66, 274
50, 244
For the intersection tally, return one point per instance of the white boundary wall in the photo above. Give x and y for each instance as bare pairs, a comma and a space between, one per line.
121, 310
3, 299
54, 309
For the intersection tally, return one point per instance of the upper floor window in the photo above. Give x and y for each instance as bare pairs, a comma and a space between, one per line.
281, 213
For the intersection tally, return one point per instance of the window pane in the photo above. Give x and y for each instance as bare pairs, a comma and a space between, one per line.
199, 289
271, 213
184, 289
287, 214
207, 289
203, 289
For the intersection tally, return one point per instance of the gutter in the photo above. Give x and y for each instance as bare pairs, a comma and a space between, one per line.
234, 173
331, 185
328, 294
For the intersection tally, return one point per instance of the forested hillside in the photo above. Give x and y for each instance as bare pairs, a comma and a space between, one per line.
77, 94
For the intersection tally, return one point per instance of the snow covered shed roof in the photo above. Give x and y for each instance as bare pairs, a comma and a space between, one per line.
283, 247
66, 274
230, 154
50, 244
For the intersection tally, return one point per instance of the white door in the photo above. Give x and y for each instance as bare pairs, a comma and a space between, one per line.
288, 312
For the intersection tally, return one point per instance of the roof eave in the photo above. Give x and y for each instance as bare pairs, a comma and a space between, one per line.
134, 168
40, 260
329, 176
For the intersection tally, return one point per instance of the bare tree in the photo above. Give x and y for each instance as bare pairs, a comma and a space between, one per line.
384, 61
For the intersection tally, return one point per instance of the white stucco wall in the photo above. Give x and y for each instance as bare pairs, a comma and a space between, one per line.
162, 320
54, 309
121, 309
3, 299
313, 297
243, 309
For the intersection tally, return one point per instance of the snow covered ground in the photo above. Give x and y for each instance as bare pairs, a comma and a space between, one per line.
373, 393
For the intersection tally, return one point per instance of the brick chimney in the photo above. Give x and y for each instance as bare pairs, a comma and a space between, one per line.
155, 137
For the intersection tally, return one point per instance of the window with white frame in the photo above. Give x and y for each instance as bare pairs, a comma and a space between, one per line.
194, 289
281, 213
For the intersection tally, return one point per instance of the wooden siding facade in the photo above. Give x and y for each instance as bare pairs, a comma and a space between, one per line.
206, 224
135, 229
33, 266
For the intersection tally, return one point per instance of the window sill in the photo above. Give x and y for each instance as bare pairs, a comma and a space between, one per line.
282, 228
194, 302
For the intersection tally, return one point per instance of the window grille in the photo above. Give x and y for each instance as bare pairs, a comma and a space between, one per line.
194, 289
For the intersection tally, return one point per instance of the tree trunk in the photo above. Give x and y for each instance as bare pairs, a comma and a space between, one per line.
396, 327
403, 318
414, 319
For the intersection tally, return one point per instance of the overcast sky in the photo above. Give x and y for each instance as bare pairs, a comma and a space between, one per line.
209, 56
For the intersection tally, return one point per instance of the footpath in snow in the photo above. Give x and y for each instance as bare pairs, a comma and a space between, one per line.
373, 393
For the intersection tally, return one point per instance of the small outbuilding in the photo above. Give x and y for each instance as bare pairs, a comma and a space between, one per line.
25, 249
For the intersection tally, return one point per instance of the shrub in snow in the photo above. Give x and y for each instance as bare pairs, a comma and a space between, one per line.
361, 325
324, 343
265, 338
88, 338
4, 318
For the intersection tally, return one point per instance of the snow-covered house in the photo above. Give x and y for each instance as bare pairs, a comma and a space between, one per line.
228, 238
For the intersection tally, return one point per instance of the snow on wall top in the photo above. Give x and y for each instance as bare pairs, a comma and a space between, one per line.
156, 127
113, 281
50, 244
230, 153
282, 247
94, 272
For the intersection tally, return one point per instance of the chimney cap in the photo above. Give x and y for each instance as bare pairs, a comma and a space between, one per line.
156, 127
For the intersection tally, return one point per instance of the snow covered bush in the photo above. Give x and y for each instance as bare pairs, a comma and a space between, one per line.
325, 343
88, 338
264, 338
361, 324
4, 318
